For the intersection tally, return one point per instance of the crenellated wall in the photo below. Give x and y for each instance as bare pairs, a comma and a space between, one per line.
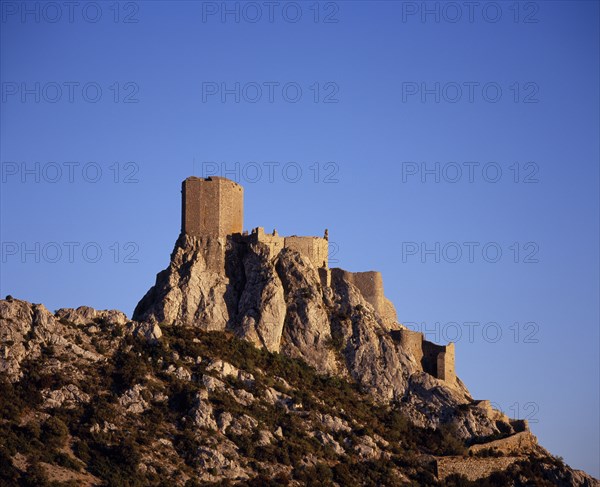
313, 248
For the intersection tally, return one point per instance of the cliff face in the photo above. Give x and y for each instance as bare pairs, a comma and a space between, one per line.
278, 301
245, 364
90, 398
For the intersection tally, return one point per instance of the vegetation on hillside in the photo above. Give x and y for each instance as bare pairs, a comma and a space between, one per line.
98, 439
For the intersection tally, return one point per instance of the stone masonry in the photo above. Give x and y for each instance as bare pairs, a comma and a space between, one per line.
436, 360
213, 210
211, 207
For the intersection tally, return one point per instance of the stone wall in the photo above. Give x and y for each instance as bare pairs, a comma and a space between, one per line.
517, 443
315, 248
445, 364
370, 284
472, 468
436, 360
411, 342
211, 207
273, 241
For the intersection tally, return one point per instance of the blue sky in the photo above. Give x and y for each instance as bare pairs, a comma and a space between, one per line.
414, 136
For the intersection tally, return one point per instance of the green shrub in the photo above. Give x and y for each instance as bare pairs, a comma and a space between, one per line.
54, 433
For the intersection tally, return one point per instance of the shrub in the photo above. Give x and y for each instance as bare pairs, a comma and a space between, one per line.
54, 433
8, 473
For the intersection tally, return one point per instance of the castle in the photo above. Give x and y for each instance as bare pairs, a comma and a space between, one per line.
214, 207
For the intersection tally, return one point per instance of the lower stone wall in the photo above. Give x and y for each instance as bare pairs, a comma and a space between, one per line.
510, 450
471, 467
519, 442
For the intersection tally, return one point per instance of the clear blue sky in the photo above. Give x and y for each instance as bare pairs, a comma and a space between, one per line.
147, 94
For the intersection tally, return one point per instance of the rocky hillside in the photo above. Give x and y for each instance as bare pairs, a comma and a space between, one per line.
241, 368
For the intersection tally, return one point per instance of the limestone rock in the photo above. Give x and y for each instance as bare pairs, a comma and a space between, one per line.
215, 463
307, 332
365, 447
85, 315
262, 307
192, 290
149, 332
202, 413
225, 420
327, 440
222, 369
265, 438
105, 428
28, 330
212, 383
67, 396
334, 424
243, 425
182, 374
16, 323
132, 400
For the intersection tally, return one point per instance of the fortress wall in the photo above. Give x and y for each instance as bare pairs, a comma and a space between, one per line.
389, 311
436, 360
519, 442
342, 275
200, 205
273, 241
314, 248
473, 468
231, 207
445, 364
325, 276
371, 286
212, 206
411, 342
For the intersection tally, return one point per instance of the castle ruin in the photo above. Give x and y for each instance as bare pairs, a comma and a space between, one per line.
211, 207
436, 360
214, 207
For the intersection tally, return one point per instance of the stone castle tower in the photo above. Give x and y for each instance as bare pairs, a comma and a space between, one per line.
211, 207
214, 207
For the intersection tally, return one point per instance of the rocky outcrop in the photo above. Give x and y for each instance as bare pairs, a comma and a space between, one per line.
307, 330
28, 331
262, 308
84, 315
193, 290
197, 415
68, 397
278, 301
